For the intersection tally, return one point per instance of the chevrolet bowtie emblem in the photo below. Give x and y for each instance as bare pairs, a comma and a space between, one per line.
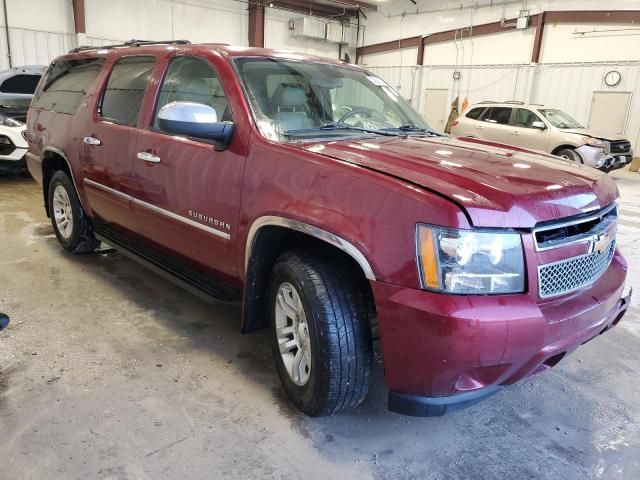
600, 243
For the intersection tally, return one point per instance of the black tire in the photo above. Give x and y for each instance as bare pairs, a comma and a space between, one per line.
570, 154
81, 238
337, 316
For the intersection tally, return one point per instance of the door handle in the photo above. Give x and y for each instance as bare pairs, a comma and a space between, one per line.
148, 157
479, 127
515, 133
91, 141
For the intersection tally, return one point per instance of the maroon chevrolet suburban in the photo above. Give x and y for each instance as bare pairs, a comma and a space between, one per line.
310, 191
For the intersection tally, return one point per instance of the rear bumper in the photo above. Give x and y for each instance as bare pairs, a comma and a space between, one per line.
444, 352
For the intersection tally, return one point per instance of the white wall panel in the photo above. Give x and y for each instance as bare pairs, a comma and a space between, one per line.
33, 47
195, 20
614, 42
392, 58
45, 15
448, 15
513, 46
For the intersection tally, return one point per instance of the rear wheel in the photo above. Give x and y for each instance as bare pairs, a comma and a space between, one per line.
320, 334
569, 154
70, 223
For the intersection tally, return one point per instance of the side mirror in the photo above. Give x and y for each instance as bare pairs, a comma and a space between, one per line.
195, 120
539, 125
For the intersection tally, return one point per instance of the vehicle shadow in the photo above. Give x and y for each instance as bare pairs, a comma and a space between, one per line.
545, 423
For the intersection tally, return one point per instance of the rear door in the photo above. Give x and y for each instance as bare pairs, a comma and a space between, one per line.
524, 135
188, 194
110, 141
494, 125
466, 125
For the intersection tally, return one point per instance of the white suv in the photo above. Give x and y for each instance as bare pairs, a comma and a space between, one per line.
540, 128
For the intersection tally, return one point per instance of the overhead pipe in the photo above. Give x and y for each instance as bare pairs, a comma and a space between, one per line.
6, 30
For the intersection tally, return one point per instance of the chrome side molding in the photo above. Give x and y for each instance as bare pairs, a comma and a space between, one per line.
328, 237
158, 210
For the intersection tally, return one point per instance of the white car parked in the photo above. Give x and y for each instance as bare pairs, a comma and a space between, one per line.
16, 90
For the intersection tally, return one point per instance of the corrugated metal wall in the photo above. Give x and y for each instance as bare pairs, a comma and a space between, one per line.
33, 47
568, 87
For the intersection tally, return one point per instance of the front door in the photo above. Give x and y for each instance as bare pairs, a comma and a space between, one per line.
109, 141
188, 195
523, 134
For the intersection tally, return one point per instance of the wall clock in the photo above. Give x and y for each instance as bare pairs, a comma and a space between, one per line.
612, 78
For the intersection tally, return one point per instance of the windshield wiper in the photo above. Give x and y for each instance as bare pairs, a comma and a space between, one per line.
340, 126
412, 127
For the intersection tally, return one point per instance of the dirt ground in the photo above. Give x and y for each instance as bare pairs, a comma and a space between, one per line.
107, 371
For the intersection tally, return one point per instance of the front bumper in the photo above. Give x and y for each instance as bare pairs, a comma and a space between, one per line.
444, 352
13, 147
11, 164
602, 160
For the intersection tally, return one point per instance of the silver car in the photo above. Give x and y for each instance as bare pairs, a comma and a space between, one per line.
549, 130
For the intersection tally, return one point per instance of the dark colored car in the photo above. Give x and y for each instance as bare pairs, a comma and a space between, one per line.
312, 192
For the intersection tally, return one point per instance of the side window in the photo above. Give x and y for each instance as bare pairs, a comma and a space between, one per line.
190, 79
474, 114
123, 95
66, 83
499, 115
525, 118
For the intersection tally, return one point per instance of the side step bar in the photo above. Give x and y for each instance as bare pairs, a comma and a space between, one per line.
201, 285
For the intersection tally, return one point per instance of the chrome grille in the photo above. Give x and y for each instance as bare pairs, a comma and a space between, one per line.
622, 146
574, 273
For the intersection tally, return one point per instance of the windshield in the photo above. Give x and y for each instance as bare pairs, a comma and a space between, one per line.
294, 100
559, 119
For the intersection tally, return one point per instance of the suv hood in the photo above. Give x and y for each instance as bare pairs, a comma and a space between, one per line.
594, 134
496, 185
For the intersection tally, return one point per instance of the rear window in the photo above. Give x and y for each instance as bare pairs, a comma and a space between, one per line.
25, 84
66, 83
125, 89
475, 113
499, 115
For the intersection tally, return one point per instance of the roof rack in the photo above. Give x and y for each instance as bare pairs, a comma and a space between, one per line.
514, 102
131, 43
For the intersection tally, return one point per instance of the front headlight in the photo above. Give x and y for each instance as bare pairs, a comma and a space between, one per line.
469, 262
595, 142
9, 122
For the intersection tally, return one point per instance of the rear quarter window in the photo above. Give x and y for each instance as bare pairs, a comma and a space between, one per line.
24, 84
475, 113
65, 84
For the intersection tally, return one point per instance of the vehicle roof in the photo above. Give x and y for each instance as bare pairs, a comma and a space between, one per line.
509, 104
225, 49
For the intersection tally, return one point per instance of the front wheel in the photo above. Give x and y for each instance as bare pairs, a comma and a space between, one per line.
320, 334
570, 154
70, 223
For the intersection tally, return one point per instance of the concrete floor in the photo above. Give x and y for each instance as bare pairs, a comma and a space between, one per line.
110, 372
